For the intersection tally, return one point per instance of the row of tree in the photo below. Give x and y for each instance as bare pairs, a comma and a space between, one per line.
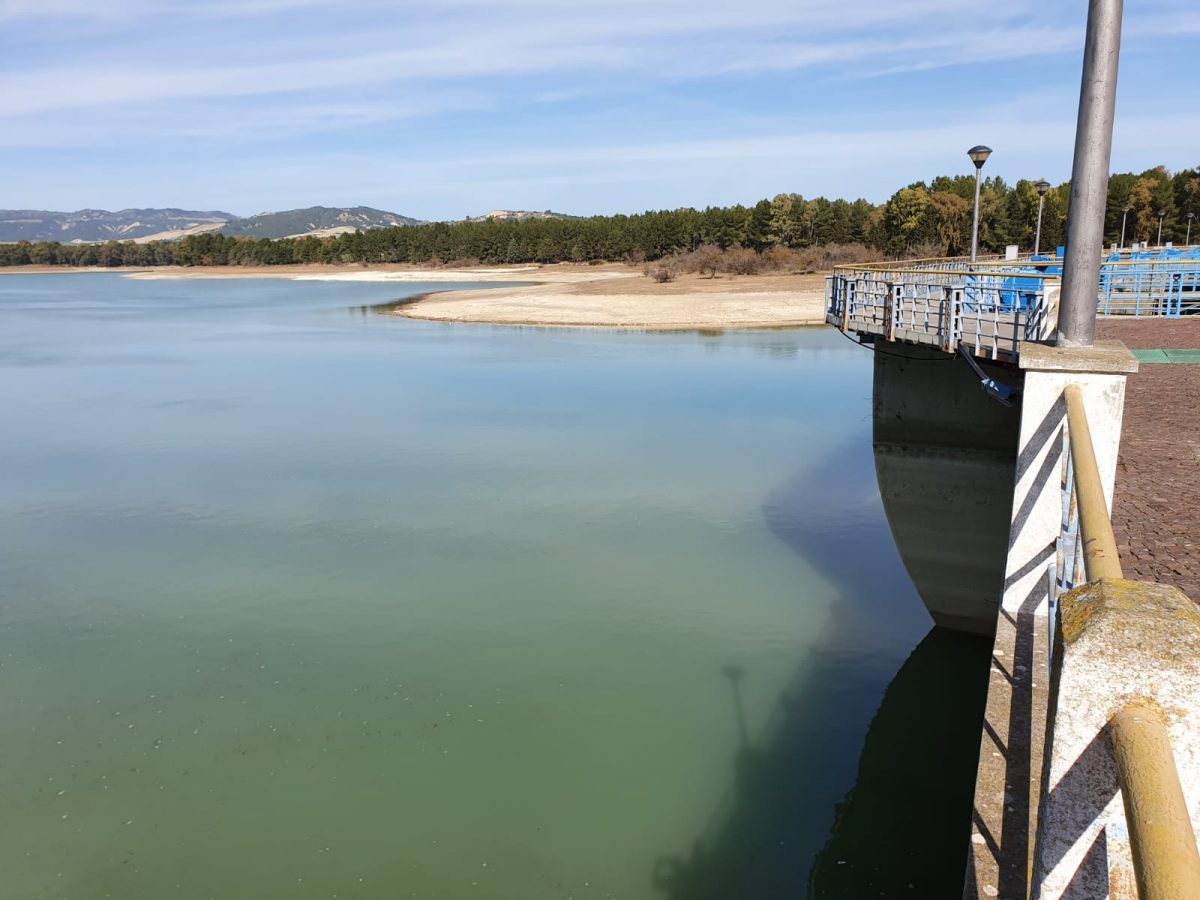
936, 218
922, 219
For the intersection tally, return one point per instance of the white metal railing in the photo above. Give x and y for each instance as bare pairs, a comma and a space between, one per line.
1002, 302
943, 304
1066, 571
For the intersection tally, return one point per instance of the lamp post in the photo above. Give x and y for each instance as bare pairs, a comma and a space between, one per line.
1187, 241
1089, 174
1042, 186
1124, 213
979, 155
1162, 214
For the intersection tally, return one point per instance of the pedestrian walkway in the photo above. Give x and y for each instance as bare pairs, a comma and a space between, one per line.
1156, 506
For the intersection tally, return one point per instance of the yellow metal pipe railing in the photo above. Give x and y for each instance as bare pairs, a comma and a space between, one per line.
1166, 864
1162, 844
1100, 558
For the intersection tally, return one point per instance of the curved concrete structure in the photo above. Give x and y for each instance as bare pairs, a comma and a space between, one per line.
945, 456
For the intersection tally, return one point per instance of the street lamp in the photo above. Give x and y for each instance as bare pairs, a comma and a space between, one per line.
1187, 241
1042, 186
1124, 213
1162, 214
979, 155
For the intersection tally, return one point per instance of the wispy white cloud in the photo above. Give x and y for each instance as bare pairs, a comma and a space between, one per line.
510, 51
123, 10
679, 14
76, 87
477, 95
667, 40
630, 175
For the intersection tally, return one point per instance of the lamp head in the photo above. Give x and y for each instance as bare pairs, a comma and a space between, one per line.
1162, 213
1042, 186
979, 155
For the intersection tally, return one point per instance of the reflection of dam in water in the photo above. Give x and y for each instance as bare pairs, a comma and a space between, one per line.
803, 818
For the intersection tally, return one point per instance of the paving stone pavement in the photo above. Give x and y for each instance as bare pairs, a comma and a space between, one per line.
1156, 505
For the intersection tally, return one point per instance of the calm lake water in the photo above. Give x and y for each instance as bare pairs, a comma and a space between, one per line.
302, 601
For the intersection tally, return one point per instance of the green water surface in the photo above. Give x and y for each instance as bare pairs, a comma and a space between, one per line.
302, 601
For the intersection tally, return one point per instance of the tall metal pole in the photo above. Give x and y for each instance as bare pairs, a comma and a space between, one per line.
975, 218
978, 155
1089, 174
1041, 186
1187, 241
1124, 214
1161, 216
1037, 238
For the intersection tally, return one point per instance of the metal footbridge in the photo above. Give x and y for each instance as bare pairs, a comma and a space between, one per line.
988, 308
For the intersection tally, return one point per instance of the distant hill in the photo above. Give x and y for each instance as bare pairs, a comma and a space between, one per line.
88, 225
143, 225
519, 215
324, 219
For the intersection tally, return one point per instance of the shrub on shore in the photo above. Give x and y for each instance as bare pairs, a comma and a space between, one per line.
710, 260
661, 272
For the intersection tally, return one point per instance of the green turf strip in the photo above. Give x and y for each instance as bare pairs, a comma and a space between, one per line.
1168, 356
1151, 356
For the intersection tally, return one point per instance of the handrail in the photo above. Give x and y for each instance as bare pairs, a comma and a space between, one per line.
1113, 263
981, 268
922, 260
1162, 843
1100, 558
878, 269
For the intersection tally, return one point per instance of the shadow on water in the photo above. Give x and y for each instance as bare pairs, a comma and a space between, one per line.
801, 819
903, 829
388, 306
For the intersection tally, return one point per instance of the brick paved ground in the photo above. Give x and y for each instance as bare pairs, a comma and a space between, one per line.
1156, 507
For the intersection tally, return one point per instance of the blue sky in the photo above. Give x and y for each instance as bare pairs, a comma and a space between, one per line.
449, 108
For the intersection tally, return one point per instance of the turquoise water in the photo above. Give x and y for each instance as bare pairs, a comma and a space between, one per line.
303, 601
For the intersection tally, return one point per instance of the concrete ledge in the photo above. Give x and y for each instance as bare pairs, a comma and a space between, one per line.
1120, 643
1106, 357
1157, 611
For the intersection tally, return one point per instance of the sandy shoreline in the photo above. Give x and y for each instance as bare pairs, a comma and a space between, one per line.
610, 296
564, 305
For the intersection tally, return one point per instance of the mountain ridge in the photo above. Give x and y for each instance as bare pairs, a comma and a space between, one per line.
88, 226
96, 225
518, 215
145, 224
299, 222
